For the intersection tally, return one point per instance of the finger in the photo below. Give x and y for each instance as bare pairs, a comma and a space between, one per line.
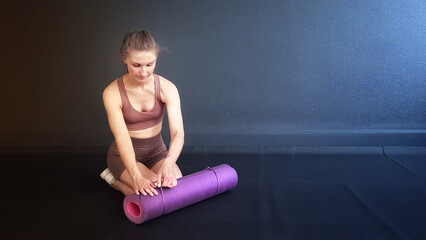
170, 183
167, 182
174, 183
136, 191
149, 191
153, 190
143, 192
159, 176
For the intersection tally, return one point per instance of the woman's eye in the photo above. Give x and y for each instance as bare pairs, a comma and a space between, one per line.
135, 65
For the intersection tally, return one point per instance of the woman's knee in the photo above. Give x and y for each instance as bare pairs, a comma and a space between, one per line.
177, 171
146, 172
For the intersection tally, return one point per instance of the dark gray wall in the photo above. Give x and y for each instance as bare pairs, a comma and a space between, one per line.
255, 73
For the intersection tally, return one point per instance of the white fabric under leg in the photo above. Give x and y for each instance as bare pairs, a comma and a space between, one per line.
108, 177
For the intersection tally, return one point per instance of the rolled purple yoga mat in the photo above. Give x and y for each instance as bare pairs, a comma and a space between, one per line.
190, 189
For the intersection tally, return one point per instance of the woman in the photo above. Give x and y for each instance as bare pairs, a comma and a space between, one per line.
138, 160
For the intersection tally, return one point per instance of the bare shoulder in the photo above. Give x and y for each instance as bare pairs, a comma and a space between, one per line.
166, 84
111, 89
169, 92
111, 94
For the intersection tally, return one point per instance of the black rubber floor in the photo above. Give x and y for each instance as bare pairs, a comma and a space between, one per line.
372, 194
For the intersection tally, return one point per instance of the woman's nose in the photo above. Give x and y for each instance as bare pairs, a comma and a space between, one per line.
144, 72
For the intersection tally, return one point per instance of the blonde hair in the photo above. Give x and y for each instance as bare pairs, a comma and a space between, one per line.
138, 40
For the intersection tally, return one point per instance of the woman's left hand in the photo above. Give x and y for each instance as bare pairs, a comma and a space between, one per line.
166, 175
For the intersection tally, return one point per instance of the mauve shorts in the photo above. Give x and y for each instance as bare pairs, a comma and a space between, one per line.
148, 151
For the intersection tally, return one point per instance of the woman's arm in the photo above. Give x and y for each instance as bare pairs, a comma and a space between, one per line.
112, 103
171, 98
174, 114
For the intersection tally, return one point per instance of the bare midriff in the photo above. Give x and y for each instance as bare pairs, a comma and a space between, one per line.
147, 133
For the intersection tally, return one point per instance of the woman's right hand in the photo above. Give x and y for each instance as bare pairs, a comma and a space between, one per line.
143, 185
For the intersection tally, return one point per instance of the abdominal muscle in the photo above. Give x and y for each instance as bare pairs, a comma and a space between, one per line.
147, 133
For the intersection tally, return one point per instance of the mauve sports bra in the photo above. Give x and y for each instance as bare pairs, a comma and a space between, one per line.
137, 120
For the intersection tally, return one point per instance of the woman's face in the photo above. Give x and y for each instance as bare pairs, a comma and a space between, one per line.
140, 64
